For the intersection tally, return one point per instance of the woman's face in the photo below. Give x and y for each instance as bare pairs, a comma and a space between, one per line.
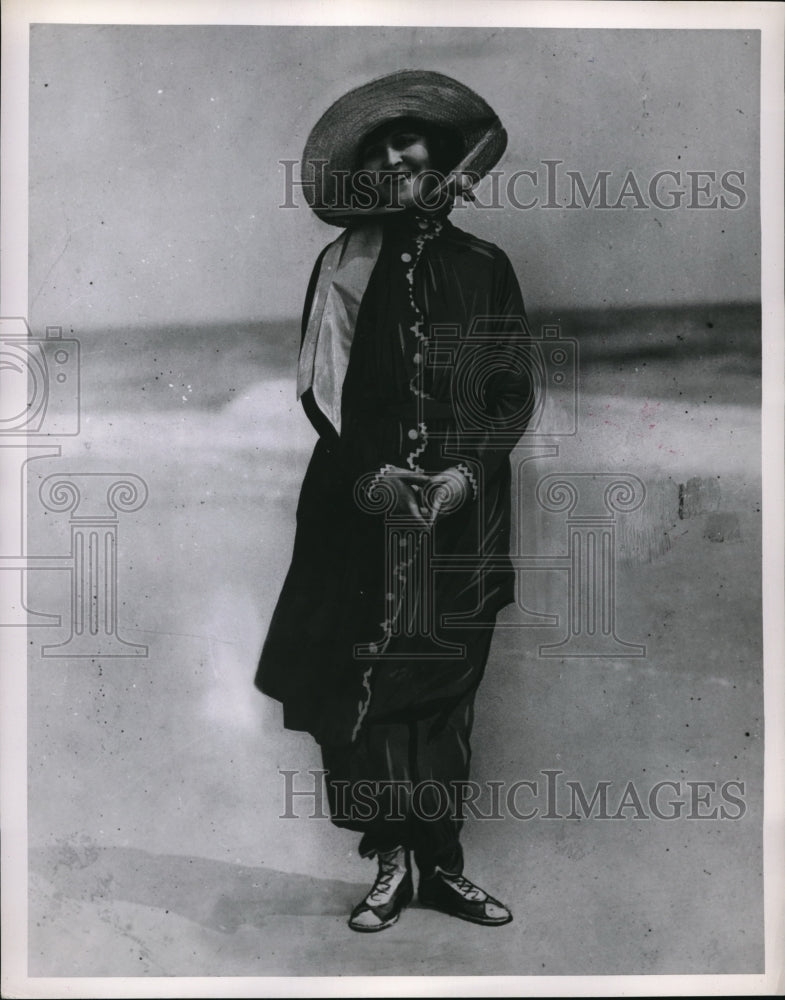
397, 156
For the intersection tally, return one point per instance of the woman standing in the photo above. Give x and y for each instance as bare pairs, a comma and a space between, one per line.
414, 371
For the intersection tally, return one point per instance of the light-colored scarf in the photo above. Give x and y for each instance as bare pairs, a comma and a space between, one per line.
343, 277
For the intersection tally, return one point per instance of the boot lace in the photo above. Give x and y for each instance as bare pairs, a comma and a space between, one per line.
466, 888
389, 867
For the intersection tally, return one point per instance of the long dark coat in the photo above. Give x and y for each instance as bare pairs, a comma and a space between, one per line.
438, 377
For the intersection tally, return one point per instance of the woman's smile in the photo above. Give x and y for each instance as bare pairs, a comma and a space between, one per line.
398, 160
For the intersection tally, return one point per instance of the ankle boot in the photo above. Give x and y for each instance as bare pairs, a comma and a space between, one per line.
390, 893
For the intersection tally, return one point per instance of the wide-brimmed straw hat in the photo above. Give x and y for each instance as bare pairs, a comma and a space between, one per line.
332, 150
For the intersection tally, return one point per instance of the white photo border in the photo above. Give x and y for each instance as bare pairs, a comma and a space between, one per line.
769, 18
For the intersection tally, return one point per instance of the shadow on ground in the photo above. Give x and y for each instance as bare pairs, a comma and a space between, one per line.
216, 894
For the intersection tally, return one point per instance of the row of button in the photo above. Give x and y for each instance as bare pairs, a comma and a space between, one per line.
417, 358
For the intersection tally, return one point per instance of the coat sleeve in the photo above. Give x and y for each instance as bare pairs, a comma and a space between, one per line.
495, 383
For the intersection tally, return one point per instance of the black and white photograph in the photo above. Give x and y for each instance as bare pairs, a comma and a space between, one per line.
392, 499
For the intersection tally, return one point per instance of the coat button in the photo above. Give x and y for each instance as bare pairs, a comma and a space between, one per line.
406, 257
422, 224
417, 358
413, 434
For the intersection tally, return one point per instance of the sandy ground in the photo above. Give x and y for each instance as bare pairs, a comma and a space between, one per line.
156, 843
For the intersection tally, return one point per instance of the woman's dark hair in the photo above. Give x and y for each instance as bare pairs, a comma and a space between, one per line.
444, 145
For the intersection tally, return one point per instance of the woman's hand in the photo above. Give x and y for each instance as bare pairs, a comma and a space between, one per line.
446, 491
406, 485
425, 497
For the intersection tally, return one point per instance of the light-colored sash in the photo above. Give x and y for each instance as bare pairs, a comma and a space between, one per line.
343, 277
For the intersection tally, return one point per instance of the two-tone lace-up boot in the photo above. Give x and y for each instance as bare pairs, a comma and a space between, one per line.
457, 896
390, 893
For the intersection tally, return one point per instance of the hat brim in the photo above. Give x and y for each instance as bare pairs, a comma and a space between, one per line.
332, 149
